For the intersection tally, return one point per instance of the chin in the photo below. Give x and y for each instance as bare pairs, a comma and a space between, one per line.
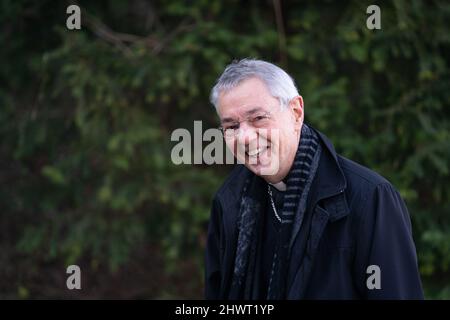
270, 173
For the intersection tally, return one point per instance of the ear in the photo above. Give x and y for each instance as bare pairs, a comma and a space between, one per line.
296, 107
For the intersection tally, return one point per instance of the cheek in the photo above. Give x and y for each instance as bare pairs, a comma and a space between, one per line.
272, 136
231, 145
238, 150
287, 140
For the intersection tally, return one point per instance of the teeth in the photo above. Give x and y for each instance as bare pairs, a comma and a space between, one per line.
256, 152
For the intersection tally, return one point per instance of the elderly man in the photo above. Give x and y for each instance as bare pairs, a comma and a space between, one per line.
295, 220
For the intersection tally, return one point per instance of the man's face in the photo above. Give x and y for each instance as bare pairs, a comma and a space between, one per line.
267, 134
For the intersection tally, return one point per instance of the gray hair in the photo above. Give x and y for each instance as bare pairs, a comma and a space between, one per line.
278, 82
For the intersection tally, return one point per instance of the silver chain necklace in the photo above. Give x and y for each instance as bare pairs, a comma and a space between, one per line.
272, 203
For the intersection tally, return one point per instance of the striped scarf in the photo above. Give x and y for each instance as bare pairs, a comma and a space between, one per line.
294, 204
298, 182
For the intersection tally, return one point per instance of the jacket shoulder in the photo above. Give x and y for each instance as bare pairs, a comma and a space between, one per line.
364, 186
368, 192
356, 173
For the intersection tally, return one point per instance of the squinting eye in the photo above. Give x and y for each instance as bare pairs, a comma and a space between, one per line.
233, 127
259, 118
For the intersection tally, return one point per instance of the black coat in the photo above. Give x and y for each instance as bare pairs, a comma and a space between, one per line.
357, 218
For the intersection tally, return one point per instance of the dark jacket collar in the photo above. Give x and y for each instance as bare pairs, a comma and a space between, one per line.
330, 183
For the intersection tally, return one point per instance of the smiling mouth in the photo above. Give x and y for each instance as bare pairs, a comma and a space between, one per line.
256, 152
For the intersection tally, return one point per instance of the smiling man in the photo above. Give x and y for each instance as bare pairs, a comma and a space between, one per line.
295, 220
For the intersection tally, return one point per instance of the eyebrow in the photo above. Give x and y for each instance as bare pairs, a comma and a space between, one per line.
247, 113
254, 110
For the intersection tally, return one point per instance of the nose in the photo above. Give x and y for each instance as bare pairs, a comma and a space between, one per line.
246, 134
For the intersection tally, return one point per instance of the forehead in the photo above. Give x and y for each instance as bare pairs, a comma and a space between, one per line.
250, 94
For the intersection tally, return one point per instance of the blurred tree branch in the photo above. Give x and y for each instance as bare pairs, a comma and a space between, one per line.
281, 32
123, 40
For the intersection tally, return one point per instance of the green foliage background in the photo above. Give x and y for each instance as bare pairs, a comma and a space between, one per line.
86, 118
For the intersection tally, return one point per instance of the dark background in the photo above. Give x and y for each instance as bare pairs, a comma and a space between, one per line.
86, 117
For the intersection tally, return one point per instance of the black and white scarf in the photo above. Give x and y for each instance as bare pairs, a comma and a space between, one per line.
298, 182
